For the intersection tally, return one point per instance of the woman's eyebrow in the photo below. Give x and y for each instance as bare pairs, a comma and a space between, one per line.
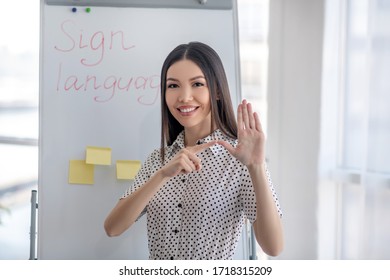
172, 79
197, 77
191, 79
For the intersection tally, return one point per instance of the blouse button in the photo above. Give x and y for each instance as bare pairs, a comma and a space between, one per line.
171, 258
179, 205
183, 180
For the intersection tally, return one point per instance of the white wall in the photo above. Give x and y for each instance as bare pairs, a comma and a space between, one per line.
294, 99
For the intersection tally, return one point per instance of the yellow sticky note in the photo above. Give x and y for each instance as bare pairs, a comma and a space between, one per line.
98, 155
127, 169
80, 172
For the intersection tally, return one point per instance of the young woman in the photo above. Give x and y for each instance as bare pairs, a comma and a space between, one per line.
209, 174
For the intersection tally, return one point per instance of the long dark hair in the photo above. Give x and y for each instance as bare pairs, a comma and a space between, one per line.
209, 62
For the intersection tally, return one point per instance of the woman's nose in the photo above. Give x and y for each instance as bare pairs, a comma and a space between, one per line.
185, 94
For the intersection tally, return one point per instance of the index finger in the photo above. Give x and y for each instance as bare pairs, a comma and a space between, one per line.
198, 148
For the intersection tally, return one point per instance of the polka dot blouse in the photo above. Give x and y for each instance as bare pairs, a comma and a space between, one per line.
199, 215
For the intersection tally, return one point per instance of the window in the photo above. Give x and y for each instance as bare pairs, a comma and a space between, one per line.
253, 31
19, 76
357, 63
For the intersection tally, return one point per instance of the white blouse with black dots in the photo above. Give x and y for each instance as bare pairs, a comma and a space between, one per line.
199, 215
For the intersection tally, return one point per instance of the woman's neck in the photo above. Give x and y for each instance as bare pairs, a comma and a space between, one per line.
192, 135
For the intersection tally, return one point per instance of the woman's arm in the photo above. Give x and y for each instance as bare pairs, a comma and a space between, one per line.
267, 226
127, 210
250, 152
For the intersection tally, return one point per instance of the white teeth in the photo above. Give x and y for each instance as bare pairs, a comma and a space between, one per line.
187, 110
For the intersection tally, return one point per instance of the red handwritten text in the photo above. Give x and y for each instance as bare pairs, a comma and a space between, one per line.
98, 42
146, 88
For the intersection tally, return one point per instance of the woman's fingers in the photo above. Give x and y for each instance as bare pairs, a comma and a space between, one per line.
227, 146
244, 113
245, 116
186, 161
198, 148
190, 160
240, 123
257, 122
250, 116
187, 165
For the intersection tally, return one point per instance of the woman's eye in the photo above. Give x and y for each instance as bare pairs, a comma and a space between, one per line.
172, 86
198, 84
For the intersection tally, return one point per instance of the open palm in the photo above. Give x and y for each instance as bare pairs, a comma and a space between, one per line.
251, 138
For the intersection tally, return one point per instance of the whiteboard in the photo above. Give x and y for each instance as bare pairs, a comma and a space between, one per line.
99, 86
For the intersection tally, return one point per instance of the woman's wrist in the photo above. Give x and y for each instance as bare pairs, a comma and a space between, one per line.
161, 175
255, 167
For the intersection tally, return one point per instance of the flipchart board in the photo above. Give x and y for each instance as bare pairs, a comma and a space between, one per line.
100, 106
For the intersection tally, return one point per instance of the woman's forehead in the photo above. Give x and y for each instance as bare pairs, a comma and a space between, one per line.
184, 69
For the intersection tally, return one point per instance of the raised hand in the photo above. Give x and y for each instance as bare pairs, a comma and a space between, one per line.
185, 161
251, 138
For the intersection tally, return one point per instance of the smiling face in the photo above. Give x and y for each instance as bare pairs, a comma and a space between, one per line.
188, 97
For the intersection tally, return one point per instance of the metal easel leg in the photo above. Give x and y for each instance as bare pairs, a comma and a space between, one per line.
34, 207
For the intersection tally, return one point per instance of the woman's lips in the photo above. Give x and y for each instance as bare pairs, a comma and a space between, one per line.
187, 110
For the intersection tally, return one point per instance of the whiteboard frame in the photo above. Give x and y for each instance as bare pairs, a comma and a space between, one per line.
243, 249
181, 4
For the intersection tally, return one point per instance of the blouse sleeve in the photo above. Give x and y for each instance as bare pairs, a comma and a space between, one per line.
248, 195
148, 168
